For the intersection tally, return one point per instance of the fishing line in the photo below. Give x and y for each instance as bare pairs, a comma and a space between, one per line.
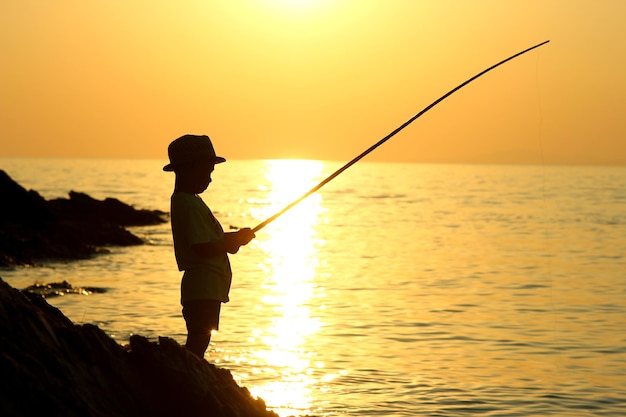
547, 230
386, 138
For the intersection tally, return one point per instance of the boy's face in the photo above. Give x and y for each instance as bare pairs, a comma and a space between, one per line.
200, 175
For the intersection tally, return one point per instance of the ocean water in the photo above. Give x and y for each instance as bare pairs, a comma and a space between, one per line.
396, 290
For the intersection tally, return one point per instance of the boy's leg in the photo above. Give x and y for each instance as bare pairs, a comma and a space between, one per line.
201, 317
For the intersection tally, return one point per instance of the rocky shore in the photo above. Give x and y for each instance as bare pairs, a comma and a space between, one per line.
52, 367
33, 229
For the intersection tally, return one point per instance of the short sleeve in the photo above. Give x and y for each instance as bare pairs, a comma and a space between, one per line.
198, 227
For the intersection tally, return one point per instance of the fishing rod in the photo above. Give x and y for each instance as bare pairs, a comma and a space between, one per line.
386, 138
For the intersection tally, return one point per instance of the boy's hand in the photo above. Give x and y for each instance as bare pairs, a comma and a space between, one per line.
235, 240
245, 235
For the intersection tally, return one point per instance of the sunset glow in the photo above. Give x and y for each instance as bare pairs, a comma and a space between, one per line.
291, 246
302, 6
314, 79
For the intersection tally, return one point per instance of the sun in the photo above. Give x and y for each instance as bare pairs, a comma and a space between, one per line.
299, 6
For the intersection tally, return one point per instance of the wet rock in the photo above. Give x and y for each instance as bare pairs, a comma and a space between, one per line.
33, 229
52, 367
55, 289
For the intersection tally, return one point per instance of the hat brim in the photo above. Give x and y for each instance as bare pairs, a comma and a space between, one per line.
172, 167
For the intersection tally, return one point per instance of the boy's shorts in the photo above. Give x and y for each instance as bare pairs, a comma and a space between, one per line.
202, 315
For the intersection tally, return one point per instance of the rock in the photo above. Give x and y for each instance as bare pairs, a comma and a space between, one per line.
55, 289
19, 205
52, 367
34, 229
82, 207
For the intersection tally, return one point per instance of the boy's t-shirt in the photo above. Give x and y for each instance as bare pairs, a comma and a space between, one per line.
192, 223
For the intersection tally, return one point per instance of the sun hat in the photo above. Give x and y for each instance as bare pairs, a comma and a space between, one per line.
191, 148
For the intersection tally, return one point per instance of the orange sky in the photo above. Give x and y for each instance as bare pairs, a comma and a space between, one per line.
315, 79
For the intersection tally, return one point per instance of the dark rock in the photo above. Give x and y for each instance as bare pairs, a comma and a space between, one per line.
82, 207
51, 367
34, 229
19, 205
55, 289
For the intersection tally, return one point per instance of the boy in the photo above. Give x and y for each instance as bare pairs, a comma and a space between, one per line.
200, 244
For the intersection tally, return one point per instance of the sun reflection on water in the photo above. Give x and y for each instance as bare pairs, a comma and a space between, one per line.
290, 245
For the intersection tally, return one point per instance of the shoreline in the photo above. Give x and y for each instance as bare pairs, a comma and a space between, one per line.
52, 366
35, 230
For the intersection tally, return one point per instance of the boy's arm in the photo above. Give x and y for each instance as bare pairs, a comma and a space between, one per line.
231, 243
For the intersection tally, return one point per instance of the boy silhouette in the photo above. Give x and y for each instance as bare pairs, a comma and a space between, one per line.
201, 246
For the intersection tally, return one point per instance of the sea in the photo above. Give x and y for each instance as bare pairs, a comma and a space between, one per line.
398, 289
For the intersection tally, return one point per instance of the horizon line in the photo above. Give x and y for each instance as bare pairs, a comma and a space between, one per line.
485, 159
